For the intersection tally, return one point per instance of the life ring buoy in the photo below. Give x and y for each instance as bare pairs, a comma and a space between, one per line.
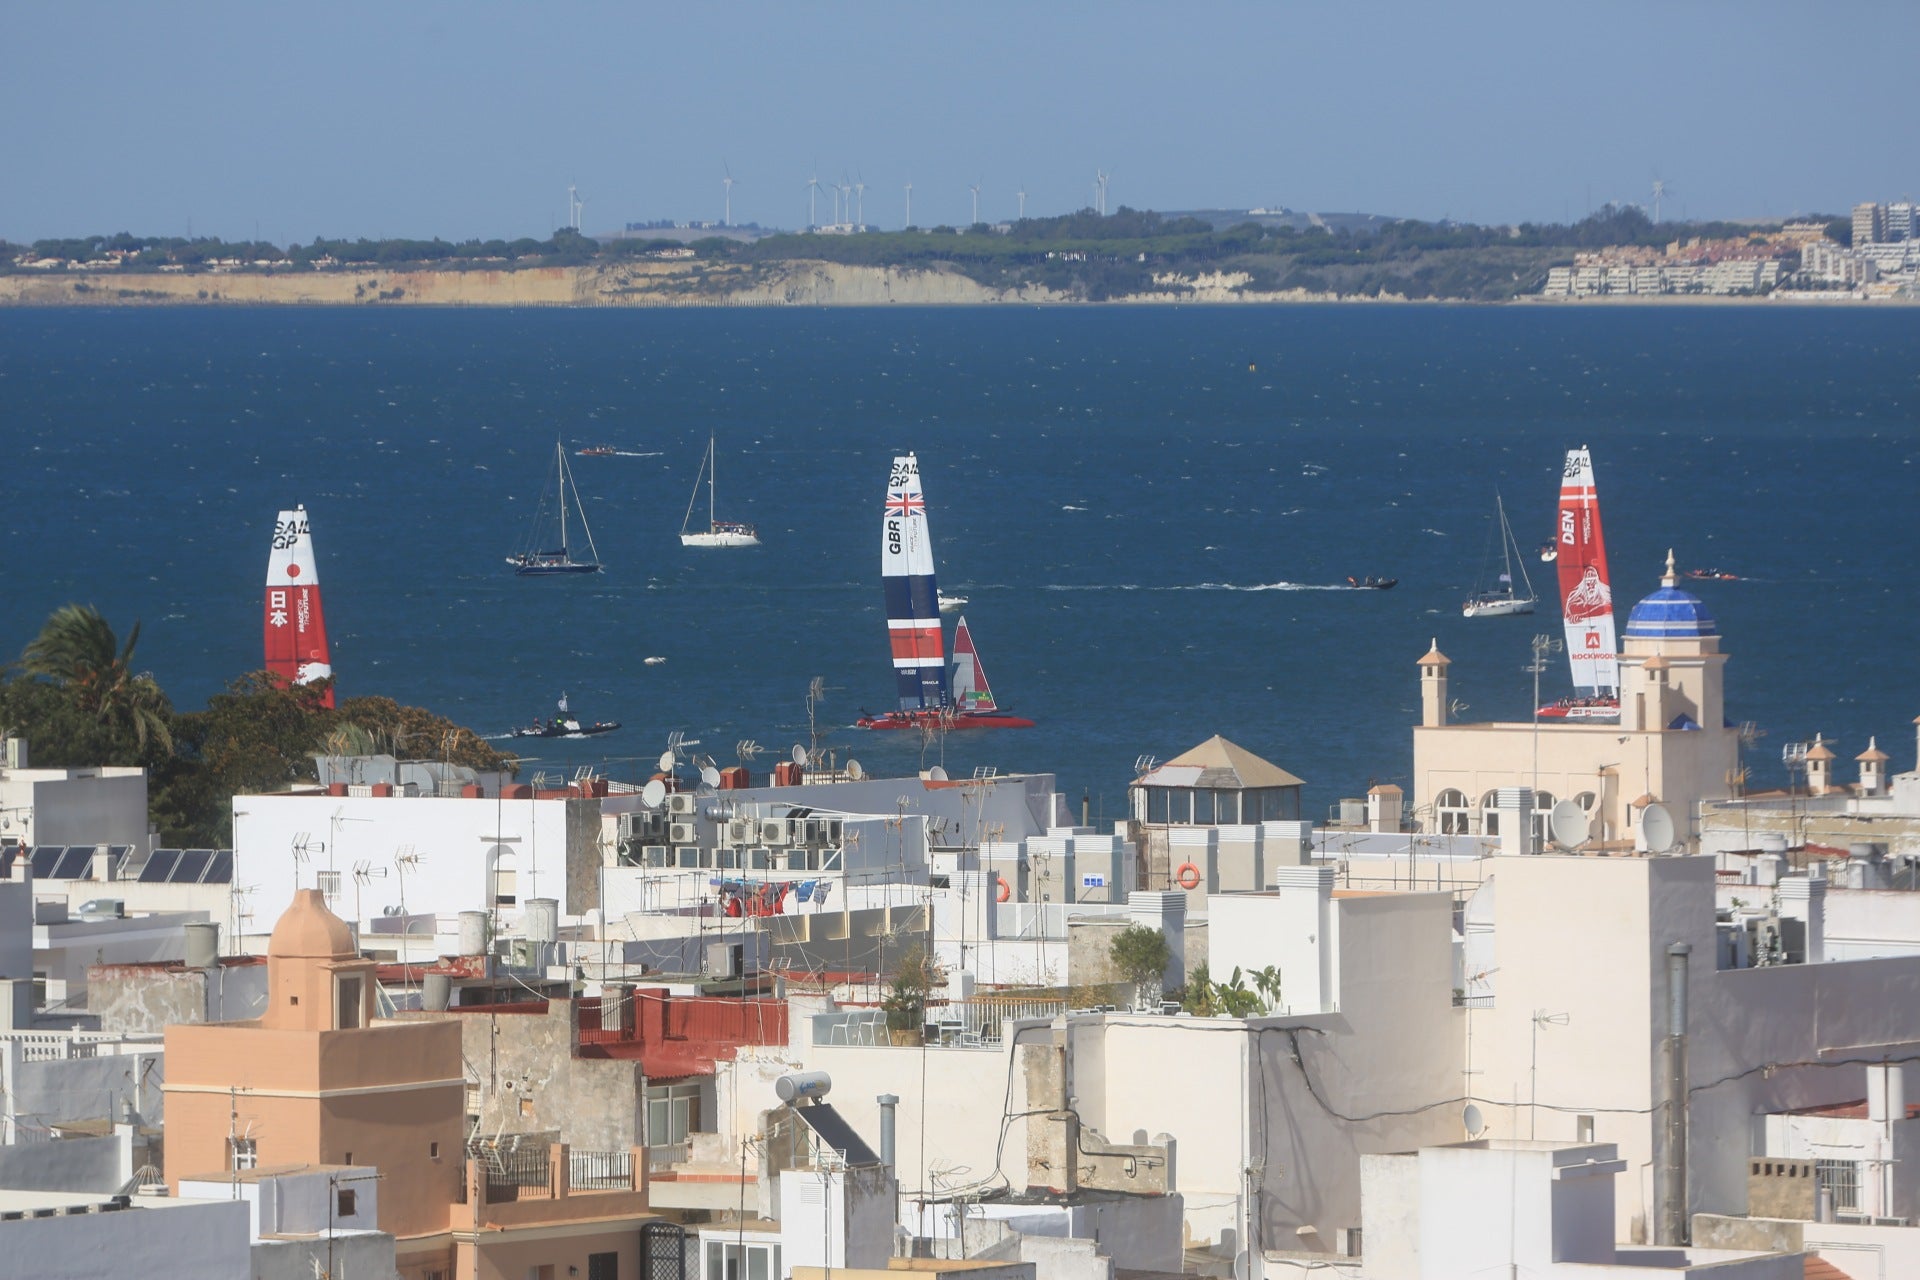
1188, 876
1004, 892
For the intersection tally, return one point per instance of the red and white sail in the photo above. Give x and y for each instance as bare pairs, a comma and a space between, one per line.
1586, 590
296, 633
913, 598
970, 689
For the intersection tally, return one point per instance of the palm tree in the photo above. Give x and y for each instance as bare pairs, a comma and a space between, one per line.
78, 651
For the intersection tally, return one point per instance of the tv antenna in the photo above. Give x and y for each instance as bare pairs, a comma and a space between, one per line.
1144, 764
747, 749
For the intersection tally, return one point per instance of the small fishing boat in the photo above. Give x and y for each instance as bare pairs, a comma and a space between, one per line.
1713, 575
565, 726
1371, 583
951, 604
718, 533
1502, 600
598, 451
540, 557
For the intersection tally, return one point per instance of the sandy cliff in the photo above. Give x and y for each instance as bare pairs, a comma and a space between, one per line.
806, 284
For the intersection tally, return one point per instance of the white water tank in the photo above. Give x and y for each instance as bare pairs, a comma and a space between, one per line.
203, 944
543, 920
436, 991
796, 1085
473, 933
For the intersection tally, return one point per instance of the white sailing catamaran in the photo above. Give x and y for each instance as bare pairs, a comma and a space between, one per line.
718, 533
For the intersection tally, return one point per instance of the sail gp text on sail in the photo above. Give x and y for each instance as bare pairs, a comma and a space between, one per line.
1585, 589
295, 628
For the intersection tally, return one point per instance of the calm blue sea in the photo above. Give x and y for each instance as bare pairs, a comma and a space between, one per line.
1145, 506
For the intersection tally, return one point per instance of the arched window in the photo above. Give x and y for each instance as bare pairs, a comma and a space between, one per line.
1490, 814
502, 891
1543, 803
1450, 808
1586, 800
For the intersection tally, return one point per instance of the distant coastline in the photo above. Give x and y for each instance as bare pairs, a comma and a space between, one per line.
802, 283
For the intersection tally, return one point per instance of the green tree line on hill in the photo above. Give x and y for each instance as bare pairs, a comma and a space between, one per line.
79, 699
1084, 253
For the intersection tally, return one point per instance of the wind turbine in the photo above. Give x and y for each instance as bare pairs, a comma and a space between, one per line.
727, 183
1659, 193
909, 202
574, 205
1100, 178
813, 189
860, 198
1022, 193
975, 188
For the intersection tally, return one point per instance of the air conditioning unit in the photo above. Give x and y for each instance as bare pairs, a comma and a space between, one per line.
740, 831
629, 825
809, 832
773, 831
681, 802
683, 833
832, 830
655, 855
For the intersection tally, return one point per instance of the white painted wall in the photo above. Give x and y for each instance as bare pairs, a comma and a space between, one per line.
454, 838
300, 1203
174, 1239
75, 806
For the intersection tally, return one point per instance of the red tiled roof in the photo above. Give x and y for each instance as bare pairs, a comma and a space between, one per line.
1818, 1268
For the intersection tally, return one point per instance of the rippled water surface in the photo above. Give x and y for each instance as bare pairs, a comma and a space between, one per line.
1148, 509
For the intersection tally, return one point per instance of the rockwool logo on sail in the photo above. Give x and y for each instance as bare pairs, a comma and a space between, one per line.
1585, 590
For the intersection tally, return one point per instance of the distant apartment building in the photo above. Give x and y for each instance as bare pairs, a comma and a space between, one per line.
1825, 262
1869, 223
1900, 221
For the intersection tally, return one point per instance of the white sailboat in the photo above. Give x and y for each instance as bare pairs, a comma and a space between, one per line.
718, 533
540, 557
1502, 599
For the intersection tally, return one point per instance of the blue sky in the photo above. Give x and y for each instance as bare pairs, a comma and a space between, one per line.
419, 119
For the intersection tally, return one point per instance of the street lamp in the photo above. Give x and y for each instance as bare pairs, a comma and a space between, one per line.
1543, 646
1540, 1017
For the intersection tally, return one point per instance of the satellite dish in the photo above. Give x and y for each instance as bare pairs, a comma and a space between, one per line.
937, 774
1472, 1121
710, 776
667, 761
799, 754
653, 793
1568, 823
1656, 828
854, 770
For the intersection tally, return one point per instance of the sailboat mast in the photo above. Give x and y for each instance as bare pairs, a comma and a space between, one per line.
1506, 541
712, 466
560, 464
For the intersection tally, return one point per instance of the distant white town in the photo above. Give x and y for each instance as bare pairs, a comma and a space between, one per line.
1800, 260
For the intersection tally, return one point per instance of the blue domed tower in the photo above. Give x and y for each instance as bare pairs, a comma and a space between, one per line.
1671, 675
